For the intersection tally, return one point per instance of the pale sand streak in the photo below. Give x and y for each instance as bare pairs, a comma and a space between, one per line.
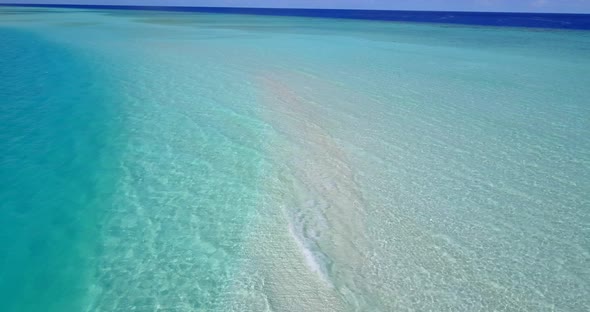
312, 255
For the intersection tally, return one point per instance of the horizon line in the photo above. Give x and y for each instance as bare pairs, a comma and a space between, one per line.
148, 6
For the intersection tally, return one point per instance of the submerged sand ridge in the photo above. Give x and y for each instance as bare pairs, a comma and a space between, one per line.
320, 203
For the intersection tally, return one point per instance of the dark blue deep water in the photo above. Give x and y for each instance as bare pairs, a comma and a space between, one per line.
538, 20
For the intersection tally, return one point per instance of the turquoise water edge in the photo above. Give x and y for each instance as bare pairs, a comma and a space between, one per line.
159, 161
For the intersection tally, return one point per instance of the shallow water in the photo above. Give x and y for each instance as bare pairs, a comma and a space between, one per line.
205, 162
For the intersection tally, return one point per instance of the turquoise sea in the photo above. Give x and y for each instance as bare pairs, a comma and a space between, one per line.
173, 161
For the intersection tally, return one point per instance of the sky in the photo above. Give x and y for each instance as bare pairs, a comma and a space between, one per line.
572, 6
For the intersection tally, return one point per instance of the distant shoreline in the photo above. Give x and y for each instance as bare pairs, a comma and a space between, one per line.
533, 20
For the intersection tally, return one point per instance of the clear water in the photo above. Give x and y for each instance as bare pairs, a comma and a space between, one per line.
195, 162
